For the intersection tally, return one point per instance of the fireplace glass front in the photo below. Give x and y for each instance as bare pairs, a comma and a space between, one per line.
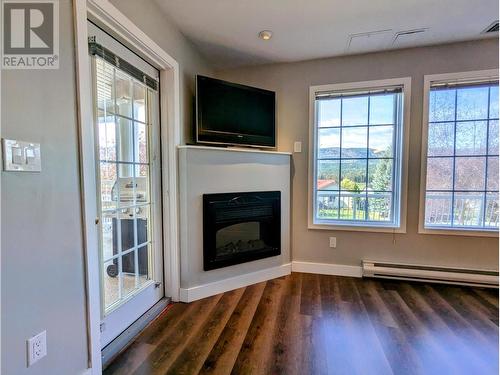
240, 227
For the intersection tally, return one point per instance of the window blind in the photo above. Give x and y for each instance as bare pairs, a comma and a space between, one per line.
95, 49
351, 94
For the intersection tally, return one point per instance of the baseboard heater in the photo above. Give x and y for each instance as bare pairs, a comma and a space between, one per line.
484, 278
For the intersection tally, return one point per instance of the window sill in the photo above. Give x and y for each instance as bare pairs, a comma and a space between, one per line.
356, 228
458, 232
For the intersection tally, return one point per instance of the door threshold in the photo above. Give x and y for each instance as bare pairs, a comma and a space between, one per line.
123, 340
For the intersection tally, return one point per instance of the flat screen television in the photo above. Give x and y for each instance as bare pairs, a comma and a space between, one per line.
232, 114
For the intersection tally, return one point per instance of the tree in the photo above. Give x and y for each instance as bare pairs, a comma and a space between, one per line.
383, 175
350, 185
381, 182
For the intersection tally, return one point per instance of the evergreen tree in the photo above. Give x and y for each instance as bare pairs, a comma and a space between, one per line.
381, 181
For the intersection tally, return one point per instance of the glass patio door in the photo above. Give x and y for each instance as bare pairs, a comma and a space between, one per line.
128, 188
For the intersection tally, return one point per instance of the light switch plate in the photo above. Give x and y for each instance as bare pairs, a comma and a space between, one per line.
20, 156
333, 242
297, 146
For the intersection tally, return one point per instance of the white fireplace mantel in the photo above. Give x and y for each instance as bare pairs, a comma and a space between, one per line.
206, 170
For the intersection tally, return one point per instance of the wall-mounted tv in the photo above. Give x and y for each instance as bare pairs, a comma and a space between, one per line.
232, 114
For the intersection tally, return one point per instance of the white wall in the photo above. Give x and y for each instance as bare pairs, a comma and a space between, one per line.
42, 252
291, 82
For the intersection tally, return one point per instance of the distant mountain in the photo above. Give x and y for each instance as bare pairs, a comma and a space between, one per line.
357, 152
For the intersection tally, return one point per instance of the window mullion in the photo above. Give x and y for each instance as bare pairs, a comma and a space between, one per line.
484, 205
454, 162
340, 157
117, 172
396, 155
367, 155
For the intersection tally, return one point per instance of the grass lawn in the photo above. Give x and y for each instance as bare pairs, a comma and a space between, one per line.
348, 214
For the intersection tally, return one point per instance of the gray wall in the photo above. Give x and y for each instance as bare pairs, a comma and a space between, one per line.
42, 254
292, 81
156, 24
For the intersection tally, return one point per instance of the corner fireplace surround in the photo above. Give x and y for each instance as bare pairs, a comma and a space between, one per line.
240, 227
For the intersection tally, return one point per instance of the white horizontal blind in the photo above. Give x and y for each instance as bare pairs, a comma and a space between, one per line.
346, 93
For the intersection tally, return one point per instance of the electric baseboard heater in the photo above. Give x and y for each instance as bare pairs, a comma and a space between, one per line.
446, 275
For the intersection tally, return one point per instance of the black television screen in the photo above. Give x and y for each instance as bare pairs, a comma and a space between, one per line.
233, 114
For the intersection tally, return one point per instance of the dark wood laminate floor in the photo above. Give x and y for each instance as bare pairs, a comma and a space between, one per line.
316, 324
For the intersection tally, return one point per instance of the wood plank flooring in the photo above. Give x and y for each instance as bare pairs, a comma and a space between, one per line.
316, 324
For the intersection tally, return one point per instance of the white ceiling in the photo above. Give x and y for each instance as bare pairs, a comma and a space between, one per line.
225, 31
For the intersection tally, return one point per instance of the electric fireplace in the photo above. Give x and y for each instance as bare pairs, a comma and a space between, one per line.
240, 227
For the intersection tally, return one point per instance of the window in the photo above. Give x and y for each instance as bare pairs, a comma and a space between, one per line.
123, 127
357, 154
461, 175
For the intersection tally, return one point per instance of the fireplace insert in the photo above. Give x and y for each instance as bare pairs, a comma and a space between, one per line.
240, 227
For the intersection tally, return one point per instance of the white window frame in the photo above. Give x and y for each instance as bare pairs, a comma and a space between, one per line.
405, 83
475, 75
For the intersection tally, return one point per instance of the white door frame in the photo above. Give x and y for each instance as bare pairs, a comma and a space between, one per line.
112, 20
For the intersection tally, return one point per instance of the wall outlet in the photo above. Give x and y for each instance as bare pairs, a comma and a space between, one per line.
37, 348
333, 242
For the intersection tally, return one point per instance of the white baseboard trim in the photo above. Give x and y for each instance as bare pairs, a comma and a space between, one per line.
211, 289
327, 269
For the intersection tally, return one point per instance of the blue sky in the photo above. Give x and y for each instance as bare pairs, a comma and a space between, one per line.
355, 112
356, 137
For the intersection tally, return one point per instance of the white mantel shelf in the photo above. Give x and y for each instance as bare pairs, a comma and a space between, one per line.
234, 149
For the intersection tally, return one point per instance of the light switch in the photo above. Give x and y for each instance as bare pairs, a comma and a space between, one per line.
30, 153
21, 156
17, 155
297, 147
30, 156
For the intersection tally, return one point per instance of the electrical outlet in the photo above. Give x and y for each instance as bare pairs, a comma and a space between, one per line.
37, 348
333, 242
